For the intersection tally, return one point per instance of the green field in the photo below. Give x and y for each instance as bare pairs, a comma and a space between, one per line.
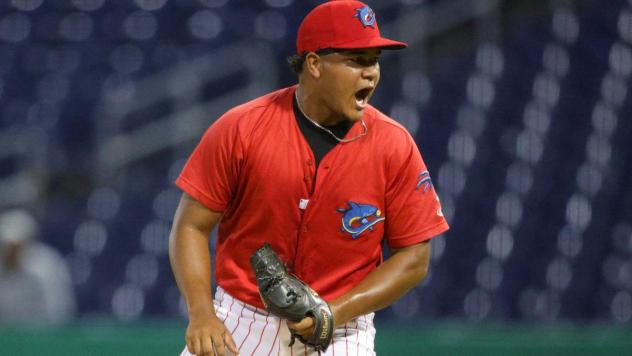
164, 338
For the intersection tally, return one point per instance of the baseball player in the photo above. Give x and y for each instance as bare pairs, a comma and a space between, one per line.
323, 178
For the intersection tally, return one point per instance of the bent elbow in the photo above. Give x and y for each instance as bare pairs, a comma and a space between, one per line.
414, 262
420, 272
422, 264
424, 272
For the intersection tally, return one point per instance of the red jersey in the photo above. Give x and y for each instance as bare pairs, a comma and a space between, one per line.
327, 224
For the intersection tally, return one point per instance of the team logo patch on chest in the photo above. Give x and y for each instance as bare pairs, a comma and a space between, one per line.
358, 218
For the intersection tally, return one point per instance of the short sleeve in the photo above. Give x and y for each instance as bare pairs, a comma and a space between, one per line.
413, 210
211, 173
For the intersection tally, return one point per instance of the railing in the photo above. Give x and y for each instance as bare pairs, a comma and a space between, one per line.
181, 86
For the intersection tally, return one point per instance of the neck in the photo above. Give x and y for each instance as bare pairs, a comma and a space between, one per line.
315, 108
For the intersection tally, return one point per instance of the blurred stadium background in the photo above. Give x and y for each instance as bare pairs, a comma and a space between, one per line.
519, 108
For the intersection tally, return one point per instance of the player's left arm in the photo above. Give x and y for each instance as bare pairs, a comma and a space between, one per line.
411, 209
403, 270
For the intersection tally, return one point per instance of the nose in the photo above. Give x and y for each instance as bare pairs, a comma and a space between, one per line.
372, 72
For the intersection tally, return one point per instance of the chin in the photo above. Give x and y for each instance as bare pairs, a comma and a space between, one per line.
354, 115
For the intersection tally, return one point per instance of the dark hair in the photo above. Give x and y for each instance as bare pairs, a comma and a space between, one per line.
296, 63
296, 60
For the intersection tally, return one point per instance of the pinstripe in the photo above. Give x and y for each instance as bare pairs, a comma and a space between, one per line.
230, 308
249, 328
275, 338
219, 294
241, 315
333, 347
346, 343
357, 338
366, 322
261, 336
219, 298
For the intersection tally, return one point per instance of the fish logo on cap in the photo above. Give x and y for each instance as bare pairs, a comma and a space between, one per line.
366, 16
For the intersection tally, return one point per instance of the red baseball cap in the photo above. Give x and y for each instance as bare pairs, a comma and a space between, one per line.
341, 24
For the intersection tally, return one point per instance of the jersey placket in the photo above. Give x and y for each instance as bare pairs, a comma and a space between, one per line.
309, 174
316, 180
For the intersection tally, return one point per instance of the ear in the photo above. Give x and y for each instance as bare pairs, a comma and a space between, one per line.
313, 65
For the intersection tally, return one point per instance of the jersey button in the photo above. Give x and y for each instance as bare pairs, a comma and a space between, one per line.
309, 162
304, 228
306, 178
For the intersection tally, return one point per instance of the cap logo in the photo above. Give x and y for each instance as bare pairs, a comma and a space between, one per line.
366, 16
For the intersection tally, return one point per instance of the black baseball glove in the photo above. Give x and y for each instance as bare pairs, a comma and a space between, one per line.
287, 297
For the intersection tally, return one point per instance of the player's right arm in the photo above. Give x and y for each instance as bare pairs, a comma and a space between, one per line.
191, 265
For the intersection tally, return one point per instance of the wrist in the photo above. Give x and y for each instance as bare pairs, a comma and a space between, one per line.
338, 312
201, 310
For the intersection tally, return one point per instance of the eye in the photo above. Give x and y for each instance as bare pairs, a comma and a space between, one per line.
367, 62
362, 61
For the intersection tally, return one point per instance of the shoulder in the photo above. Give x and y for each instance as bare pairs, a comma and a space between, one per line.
388, 130
401, 149
242, 120
252, 110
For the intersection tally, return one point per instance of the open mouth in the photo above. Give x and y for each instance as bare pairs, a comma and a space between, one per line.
362, 97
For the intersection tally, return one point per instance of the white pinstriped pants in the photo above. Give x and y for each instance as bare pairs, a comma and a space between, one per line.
257, 332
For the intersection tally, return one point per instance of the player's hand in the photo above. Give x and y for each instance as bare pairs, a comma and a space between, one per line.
305, 327
207, 336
